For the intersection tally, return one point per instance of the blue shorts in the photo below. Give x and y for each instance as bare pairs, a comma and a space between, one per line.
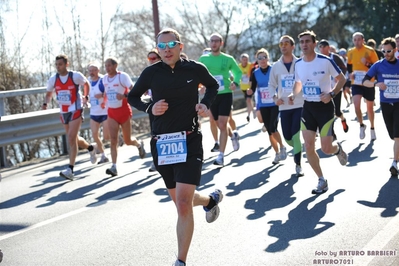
367, 93
99, 118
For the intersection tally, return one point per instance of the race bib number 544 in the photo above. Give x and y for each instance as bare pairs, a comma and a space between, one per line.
172, 148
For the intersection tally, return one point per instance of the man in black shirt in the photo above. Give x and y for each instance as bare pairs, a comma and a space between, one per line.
176, 143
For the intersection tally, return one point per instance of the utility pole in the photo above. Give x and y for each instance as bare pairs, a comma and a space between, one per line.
155, 15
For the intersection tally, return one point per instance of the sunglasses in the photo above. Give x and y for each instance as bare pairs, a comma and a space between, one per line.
262, 57
386, 51
171, 44
283, 44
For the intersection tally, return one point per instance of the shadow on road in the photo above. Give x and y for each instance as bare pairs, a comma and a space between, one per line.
11, 227
356, 156
388, 198
252, 182
124, 192
302, 223
278, 197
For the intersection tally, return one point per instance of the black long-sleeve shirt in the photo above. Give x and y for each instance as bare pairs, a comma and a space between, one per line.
179, 88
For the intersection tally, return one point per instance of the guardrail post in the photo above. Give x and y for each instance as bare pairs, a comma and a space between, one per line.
64, 145
3, 155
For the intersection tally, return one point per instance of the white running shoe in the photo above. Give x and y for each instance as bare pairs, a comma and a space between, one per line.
372, 135
112, 171
104, 159
178, 263
298, 170
219, 161
342, 156
276, 159
93, 155
394, 169
67, 173
236, 143
212, 214
322, 187
283, 154
362, 133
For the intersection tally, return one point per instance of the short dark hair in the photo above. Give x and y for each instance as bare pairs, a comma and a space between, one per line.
308, 32
390, 41
170, 30
113, 60
288, 37
371, 42
154, 51
63, 57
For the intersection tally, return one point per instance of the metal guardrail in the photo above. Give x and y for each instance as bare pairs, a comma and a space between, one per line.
19, 128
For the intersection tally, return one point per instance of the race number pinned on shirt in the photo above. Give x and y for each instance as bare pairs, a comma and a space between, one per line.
244, 79
359, 76
172, 148
64, 97
312, 91
287, 83
94, 101
113, 101
266, 96
392, 90
220, 80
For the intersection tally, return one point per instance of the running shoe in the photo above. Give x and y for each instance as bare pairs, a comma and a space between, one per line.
103, 159
263, 129
215, 148
283, 154
298, 170
212, 214
152, 168
93, 155
322, 187
141, 150
236, 143
179, 263
112, 171
219, 161
362, 134
67, 174
342, 156
248, 119
345, 125
394, 169
236, 135
372, 134
276, 159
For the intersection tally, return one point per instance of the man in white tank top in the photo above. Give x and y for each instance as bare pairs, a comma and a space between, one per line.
98, 109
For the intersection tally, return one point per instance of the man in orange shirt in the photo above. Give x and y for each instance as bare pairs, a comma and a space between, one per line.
360, 59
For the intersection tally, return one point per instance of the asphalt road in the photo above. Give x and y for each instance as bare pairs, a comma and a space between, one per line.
268, 215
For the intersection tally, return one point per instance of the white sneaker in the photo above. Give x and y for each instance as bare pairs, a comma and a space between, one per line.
236, 143
322, 187
93, 155
276, 159
178, 263
263, 129
219, 161
67, 173
283, 154
212, 214
104, 159
298, 170
112, 171
362, 133
394, 169
372, 135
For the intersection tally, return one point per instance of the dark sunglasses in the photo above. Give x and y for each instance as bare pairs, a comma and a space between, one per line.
171, 44
262, 57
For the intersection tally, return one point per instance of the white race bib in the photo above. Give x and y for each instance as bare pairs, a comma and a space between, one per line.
172, 148
266, 95
311, 91
220, 80
113, 102
392, 90
244, 79
287, 83
64, 97
359, 76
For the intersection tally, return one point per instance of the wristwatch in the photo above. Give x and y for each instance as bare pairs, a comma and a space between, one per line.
332, 94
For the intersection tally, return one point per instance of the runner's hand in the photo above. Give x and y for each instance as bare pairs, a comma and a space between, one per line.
160, 107
201, 109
